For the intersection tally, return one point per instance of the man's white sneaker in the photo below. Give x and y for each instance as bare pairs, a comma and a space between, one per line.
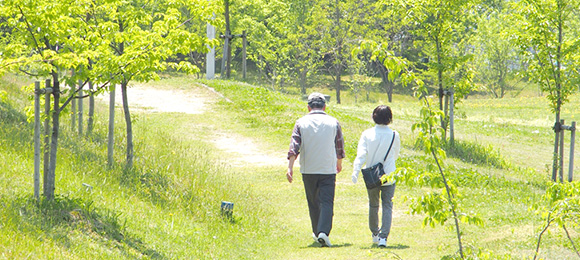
324, 240
315, 238
376, 239
382, 242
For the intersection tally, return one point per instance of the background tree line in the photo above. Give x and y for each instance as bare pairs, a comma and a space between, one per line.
470, 46
463, 47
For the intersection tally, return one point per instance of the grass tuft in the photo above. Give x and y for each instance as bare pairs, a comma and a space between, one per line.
475, 153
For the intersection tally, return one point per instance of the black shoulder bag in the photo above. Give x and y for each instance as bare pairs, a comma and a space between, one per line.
372, 175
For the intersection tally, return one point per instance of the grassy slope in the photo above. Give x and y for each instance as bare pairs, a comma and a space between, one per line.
168, 207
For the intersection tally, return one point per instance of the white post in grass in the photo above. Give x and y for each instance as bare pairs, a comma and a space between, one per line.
451, 108
572, 140
111, 126
210, 56
46, 131
37, 140
80, 96
561, 168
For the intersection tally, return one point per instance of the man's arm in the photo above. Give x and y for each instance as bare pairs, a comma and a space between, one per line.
295, 142
338, 165
339, 143
290, 171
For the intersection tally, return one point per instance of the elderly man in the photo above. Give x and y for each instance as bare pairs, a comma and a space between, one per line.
317, 137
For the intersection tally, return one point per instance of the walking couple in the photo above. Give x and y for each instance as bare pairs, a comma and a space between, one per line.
317, 138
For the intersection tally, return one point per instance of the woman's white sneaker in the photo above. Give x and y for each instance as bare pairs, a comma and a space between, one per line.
376, 239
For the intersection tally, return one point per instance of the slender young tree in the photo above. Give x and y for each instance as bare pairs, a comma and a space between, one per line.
547, 36
496, 57
444, 26
46, 38
139, 37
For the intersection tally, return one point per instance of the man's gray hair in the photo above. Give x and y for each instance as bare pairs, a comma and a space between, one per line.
316, 100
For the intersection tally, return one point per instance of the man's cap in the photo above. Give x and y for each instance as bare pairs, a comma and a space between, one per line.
316, 97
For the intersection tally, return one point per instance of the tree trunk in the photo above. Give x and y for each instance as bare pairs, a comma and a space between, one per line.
50, 180
389, 88
558, 103
338, 54
303, 81
338, 87
129, 125
387, 84
440, 83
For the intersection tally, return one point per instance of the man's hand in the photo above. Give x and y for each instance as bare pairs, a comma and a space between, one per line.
289, 175
338, 165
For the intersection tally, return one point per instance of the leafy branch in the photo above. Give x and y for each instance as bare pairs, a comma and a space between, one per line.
559, 205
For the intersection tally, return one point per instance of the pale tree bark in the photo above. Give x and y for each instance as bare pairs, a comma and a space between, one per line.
129, 125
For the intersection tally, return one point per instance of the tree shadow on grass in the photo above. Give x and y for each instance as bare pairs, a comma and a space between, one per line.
63, 217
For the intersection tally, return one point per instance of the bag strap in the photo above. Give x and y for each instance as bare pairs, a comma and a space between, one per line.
392, 141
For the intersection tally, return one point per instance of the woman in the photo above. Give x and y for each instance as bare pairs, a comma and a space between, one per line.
372, 148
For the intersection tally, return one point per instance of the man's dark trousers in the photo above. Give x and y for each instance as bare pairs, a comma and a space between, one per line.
320, 196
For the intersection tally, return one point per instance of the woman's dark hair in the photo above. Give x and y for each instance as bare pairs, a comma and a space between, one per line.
382, 115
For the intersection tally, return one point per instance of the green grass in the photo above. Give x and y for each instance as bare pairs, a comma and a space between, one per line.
168, 206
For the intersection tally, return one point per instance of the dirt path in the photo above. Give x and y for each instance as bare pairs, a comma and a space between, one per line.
198, 101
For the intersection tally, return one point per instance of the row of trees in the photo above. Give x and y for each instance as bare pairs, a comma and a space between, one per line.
108, 43
455, 46
464, 45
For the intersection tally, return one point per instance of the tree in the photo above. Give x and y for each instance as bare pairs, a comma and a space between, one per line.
46, 37
138, 38
304, 40
334, 39
266, 24
122, 41
547, 36
496, 57
383, 24
443, 27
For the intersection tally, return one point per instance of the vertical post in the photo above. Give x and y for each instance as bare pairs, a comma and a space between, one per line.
572, 141
556, 156
111, 126
228, 51
561, 175
446, 112
73, 109
80, 95
244, 55
37, 140
73, 123
210, 56
90, 118
46, 132
451, 108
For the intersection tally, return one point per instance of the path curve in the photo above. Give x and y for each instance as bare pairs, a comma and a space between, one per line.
243, 150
